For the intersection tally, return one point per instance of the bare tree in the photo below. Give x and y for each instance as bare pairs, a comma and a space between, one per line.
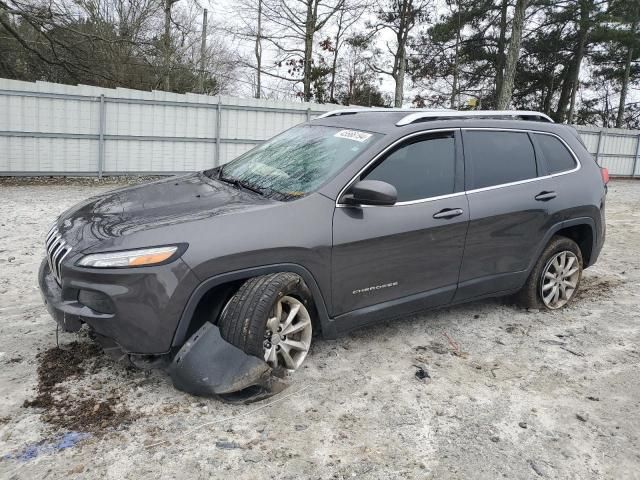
112, 43
245, 21
284, 30
166, 41
258, 50
398, 17
347, 17
295, 24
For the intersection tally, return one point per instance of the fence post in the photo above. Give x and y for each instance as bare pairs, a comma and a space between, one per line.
635, 159
598, 148
101, 136
308, 114
218, 121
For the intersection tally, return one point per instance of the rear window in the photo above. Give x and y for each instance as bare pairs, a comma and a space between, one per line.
497, 157
555, 154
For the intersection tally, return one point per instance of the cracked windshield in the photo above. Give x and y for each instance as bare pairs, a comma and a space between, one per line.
296, 162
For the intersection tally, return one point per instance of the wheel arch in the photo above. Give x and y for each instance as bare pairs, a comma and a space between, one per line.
582, 230
214, 292
583, 235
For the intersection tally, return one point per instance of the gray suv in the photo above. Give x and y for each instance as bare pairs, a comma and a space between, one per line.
355, 217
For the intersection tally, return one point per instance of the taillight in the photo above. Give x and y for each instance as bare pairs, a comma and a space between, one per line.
605, 174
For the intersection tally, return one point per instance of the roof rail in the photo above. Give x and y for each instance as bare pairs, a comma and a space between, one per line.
416, 114
438, 114
351, 111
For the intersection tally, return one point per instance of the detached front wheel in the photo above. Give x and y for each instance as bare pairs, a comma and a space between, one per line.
288, 334
269, 317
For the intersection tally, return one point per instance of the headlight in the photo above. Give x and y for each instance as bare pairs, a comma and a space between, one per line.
129, 258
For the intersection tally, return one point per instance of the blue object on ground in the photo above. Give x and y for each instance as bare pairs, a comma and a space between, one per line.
34, 450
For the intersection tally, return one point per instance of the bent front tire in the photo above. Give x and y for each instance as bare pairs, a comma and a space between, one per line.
555, 278
270, 317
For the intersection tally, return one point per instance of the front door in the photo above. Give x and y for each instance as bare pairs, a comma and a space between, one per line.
409, 252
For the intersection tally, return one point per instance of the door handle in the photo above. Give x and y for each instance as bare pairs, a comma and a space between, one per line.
545, 196
448, 213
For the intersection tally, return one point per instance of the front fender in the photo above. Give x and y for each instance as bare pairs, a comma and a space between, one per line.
327, 326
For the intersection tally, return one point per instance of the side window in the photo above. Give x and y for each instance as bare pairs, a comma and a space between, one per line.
421, 169
499, 157
558, 158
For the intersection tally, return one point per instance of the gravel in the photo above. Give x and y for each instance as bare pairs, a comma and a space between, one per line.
513, 393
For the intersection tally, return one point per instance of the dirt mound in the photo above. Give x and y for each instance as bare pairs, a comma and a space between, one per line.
62, 407
58, 364
596, 288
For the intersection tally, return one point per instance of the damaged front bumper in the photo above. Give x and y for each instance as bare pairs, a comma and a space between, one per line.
138, 308
67, 313
207, 365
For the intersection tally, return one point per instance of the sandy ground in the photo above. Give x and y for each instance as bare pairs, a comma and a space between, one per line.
525, 394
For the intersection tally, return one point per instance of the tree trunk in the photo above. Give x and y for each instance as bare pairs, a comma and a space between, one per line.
308, 50
511, 62
606, 109
258, 50
351, 88
167, 44
332, 84
454, 89
501, 43
546, 104
572, 104
565, 91
399, 61
334, 62
399, 78
203, 52
583, 32
624, 87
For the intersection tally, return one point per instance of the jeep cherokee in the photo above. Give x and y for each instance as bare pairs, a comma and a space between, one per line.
352, 218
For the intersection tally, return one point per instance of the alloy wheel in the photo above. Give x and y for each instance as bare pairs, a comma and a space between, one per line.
560, 279
288, 334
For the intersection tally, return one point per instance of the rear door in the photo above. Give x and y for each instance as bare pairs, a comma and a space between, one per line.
393, 252
511, 204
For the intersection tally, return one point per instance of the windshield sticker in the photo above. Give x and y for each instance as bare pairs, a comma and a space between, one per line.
353, 135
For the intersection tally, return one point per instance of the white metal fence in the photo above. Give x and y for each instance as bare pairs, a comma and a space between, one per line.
614, 148
54, 129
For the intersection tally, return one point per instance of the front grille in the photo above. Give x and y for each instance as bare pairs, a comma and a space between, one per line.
57, 250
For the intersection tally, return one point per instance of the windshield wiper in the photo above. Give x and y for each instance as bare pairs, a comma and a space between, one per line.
239, 184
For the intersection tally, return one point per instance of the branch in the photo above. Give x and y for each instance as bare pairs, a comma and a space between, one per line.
25, 45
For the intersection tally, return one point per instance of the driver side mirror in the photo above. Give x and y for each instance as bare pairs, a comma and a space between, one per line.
371, 192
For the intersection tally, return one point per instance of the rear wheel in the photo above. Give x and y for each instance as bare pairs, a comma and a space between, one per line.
555, 278
270, 317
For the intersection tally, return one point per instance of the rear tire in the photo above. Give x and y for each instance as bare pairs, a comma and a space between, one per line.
269, 317
555, 278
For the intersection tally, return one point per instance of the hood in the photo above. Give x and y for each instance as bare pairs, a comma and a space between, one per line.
154, 205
